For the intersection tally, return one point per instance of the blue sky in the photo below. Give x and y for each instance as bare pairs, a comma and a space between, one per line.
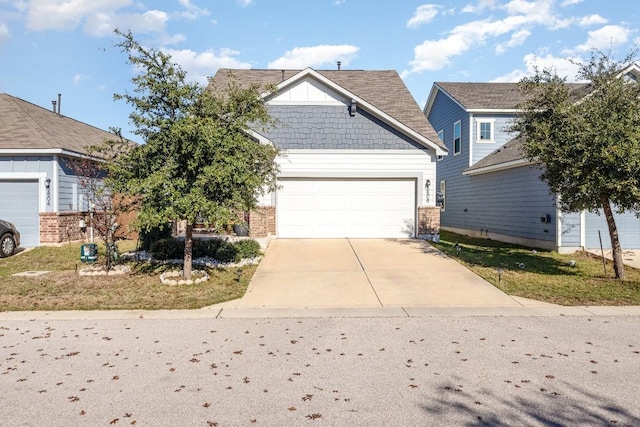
66, 46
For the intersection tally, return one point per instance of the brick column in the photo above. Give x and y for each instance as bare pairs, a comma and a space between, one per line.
58, 227
262, 221
428, 220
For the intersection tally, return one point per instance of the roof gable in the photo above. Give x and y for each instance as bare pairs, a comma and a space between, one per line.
26, 126
381, 93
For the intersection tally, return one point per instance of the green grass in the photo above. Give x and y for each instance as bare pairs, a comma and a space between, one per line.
546, 276
64, 289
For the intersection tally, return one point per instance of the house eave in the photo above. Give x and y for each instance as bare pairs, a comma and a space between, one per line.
389, 120
40, 151
493, 110
494, 168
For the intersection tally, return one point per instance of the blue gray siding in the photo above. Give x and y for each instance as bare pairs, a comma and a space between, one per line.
331, 127
570, 234
70, 196
26, 164
450, 168
501, 137
509, 202
628, 229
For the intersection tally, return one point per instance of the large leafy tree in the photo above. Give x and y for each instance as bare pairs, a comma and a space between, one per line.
587, 137
198, 161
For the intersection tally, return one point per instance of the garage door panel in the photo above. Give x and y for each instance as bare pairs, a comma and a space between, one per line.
19, 204
346, 208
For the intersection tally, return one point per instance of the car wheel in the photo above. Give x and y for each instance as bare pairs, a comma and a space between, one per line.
7, 245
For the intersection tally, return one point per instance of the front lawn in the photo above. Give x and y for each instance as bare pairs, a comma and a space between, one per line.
543, 275
64, 289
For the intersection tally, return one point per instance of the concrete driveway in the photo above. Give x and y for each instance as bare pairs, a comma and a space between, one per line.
335, 273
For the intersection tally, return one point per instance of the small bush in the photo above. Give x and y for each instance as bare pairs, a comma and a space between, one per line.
247, 248
148, 237
226, 252
167, 249
202, 248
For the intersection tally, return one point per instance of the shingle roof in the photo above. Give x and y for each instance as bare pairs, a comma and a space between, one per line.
509, 152
384, 89
493, 96
24, 125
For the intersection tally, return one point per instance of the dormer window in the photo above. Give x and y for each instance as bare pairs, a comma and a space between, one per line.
485, 131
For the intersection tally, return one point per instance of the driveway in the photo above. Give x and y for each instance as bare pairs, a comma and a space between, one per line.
336, 273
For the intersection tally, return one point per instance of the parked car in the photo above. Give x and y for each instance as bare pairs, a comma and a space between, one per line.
9, 238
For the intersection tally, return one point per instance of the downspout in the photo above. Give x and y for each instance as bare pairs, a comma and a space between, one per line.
54, 182
583, 230
470, 139
558, 225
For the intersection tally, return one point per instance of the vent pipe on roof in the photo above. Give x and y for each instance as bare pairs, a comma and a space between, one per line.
339, 64
59, 102
282, 76
54, 105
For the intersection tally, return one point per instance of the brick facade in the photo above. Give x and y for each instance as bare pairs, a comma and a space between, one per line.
262, 221
59, 227
428, 220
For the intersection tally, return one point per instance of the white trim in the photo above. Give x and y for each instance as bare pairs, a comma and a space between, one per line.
54, 182
422, 139
558, 226
470, 140
502, 166
40, 151
583, 229
493, 110
453, 145
261, 138
349, 151
40, 176
492, 123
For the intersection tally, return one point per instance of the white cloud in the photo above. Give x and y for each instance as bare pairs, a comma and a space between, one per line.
423, 15
591, 20
201, 65
521, 17
606, 37
562, 66
102, 24
245, 3
570, 2
338, 2
78, 78
193, 12
68, 14
315, 56
4, 34
482, 5
517, 38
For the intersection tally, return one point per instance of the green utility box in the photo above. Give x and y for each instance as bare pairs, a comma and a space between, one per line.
89, 252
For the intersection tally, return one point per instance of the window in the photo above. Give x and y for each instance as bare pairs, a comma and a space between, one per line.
457, 142
440, 197
441, 136
485, 130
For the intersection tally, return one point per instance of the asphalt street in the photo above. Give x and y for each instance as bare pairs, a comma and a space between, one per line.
425, 371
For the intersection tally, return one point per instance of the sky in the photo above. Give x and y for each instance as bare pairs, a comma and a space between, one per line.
68, 46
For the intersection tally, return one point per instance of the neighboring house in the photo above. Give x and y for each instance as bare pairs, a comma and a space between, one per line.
358, 156
488, 188
39, 191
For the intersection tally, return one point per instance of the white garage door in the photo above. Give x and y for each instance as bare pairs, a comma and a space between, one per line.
337, 208
19, 205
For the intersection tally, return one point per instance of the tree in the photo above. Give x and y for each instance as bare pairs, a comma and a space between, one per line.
105, 205
198, 160
587, 137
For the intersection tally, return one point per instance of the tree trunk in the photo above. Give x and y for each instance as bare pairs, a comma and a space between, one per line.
188, 251
618, 265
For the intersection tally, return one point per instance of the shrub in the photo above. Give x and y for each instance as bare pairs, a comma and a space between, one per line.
148, 237
202, 248
226, 252
167, 249
247, 248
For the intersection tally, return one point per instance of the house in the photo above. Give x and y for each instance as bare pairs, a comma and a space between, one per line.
488, 189
39, 191
357, 156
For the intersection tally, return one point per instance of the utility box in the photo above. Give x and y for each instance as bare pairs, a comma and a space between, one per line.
89, 252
